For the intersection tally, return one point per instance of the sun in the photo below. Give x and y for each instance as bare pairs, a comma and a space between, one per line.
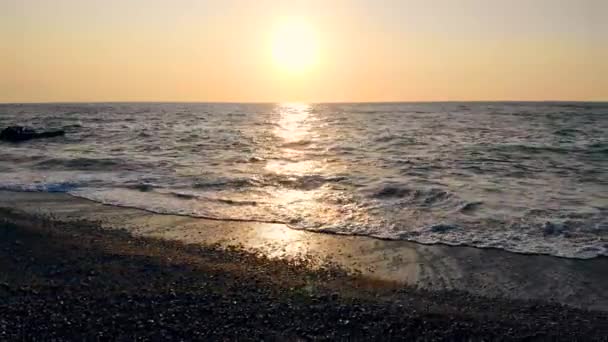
295, 46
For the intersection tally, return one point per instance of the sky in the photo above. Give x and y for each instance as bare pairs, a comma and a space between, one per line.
350, 51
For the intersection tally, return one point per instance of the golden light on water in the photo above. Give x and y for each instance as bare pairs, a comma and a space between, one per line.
302, 135
295, 129
293, 124
304, 193
295, 46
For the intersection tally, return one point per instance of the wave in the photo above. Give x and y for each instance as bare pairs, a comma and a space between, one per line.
14, 158
297, 144
85, 164
72, 127
61, 187
592, 148
470, 206
177, 203
570, 237
251, 160
597, 148
192, 196
568, 132
431, 197
143, 187
531, 149
306, 182
226, 183
392, 192
453, 173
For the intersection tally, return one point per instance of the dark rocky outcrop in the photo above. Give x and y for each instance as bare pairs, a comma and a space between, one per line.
20, 133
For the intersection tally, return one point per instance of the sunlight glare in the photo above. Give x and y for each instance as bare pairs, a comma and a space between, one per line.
295, 46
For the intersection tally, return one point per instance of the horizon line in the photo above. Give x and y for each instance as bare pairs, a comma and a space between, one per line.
309, 102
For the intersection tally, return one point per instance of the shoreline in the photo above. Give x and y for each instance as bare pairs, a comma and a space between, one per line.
481, 272
120, 206
79, 280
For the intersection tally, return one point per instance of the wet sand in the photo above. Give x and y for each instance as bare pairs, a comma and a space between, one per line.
79, 281
484, 272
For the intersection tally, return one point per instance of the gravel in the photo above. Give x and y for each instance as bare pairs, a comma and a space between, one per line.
76, 281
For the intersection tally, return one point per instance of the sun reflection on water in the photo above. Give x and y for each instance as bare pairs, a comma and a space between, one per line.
293, 124
295, 130
308, 193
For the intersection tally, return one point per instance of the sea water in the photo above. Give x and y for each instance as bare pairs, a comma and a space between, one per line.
524, 177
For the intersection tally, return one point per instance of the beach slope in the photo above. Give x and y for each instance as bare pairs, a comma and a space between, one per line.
75, 280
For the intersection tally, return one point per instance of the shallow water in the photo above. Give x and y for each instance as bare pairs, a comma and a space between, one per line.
525, 177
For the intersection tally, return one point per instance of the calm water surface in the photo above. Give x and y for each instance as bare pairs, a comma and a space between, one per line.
525, 177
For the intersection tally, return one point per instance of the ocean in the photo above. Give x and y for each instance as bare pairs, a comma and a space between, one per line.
519, 176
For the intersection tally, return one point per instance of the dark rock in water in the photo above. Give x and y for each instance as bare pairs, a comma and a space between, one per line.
20, 133
17, 133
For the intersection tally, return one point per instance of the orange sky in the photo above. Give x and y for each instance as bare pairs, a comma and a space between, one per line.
408, 50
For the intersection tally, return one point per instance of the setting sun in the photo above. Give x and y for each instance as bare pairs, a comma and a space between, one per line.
294, 46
